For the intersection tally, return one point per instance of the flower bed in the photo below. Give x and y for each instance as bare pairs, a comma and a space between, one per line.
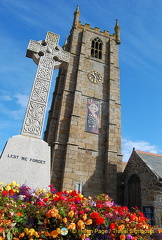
47, 214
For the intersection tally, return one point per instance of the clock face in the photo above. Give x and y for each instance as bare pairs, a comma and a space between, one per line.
95, 77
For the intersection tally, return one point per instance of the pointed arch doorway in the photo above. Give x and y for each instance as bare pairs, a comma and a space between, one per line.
134, 192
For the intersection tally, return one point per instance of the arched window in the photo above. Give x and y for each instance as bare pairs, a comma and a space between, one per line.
96, 48
134, 192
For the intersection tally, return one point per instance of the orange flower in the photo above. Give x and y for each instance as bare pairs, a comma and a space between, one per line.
19, 214
84, 217
122, 237
133, 217
80, 224
48, 214
121, 227
64, 220
54, 234
58, 230
89, 222
8, 221
47, 234
72, 226
71, 213
22, 235
52, 213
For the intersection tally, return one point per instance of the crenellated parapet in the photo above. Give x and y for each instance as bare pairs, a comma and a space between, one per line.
77, 24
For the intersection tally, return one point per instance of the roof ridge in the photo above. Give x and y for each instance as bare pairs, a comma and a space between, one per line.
154, 154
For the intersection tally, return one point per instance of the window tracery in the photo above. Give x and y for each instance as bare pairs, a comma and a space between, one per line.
96, 48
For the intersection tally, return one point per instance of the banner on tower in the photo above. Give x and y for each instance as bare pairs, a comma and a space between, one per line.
93, 112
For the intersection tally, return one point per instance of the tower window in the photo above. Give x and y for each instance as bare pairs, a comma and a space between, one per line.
96, 48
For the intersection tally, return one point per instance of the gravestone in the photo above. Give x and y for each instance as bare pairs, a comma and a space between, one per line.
26, 157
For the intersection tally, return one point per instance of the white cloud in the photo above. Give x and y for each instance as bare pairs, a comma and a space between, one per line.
13, 105
128, 145
6, 98
22, 99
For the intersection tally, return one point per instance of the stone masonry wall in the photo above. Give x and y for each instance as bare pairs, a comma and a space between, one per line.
150, 189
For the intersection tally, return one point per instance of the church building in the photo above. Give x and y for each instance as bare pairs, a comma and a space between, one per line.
142, 184
84, 122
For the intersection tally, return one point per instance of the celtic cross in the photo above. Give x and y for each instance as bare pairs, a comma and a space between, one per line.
48, 56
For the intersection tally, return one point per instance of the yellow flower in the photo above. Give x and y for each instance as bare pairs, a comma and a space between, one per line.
13, 184
72, 226
80, 224
48, 194
71, 213
89, 222
121, 227
31, 231
7, 188
1, 183
26, 230
81, 196
84, 217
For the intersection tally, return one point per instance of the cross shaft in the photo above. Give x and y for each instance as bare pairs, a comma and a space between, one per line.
48, 56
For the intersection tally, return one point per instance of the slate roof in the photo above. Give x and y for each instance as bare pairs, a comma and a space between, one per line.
153, 161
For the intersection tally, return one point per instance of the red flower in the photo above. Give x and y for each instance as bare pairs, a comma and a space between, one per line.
45, 199
99, 205
4, 193
11, 192
99, 220
40, 203
94, 215
81, 212
112, 226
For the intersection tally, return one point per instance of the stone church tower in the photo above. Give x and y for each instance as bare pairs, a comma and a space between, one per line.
84, 123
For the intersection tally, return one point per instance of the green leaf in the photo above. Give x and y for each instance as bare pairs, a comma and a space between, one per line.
39, 222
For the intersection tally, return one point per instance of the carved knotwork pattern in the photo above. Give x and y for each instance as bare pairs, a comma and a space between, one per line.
52, 39
34, 119
40, 91
62, 55
34, 46
45, 73
47, 61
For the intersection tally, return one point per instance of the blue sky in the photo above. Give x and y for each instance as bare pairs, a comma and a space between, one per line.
140, 60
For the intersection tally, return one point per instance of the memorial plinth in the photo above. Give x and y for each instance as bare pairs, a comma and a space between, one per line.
26, 160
